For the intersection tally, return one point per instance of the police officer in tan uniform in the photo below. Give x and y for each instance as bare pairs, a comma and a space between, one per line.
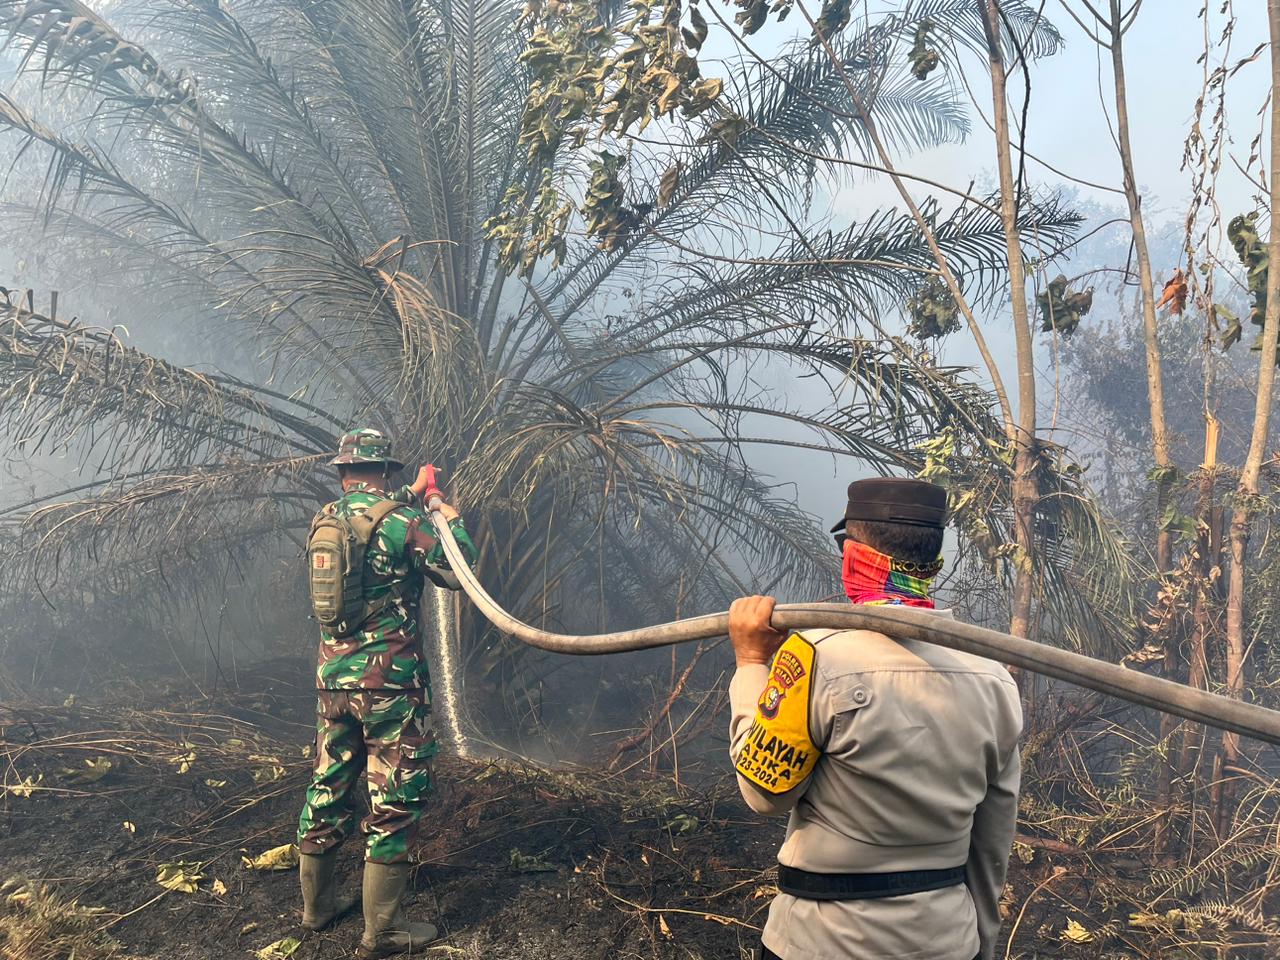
897, 760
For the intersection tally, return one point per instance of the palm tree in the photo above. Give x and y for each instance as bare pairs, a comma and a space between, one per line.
308, 183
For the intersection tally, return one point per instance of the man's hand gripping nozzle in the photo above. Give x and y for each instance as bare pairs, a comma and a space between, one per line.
432, 496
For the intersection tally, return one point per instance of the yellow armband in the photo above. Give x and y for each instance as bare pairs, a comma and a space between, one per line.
779, 751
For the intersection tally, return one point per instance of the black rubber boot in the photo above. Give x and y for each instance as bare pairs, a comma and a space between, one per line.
386, 931
321, 904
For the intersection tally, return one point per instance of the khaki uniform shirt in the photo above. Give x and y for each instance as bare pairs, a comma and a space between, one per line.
911, 764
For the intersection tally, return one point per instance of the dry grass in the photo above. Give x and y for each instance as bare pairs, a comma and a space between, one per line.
1088, 875
38, 924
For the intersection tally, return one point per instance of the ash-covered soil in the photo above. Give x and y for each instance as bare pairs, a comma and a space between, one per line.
515, 861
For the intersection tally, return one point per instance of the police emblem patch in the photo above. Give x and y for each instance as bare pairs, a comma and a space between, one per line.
771, 701
779, 751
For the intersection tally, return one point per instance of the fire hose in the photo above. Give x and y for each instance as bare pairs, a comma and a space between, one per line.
1178, 699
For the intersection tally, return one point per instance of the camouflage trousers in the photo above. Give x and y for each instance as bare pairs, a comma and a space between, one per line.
390, 733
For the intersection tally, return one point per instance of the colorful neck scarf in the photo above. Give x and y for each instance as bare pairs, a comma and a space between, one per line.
876, 578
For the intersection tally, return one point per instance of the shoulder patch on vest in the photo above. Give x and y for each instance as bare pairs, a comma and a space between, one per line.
779, 751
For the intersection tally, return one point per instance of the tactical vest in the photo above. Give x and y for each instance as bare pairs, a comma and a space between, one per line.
336, 548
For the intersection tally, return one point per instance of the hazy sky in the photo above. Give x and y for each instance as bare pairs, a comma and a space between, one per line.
1068, 128
1067, 123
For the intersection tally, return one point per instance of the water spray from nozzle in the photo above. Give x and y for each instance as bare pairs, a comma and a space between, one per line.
446, 637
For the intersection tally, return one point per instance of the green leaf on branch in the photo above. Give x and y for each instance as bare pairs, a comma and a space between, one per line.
588, 71
938, 453
1163, 477
1231, 336
1179, 523
1233, 329
607, 214
1254, 256
1242, 231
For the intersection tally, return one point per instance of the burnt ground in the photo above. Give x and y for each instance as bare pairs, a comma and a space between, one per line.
515, 860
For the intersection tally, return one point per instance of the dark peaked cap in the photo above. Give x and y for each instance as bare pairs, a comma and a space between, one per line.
916, 503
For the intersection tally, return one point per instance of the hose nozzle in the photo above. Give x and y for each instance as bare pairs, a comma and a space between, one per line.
432, 496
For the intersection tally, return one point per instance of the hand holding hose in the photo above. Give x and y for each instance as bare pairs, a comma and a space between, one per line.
425, 488
751, 631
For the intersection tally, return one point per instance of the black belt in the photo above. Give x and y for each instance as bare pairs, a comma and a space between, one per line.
864, 886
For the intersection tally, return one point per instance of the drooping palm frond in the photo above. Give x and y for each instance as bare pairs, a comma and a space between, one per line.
1025, 27
109, 206
1088, 585
148, 524
870, 268
65, 384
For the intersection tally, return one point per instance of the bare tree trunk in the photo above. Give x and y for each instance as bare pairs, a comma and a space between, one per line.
1248, 489
1151, 334
1024, 487
1155, 377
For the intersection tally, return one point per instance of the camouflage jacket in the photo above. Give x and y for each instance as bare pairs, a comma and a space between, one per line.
386, 653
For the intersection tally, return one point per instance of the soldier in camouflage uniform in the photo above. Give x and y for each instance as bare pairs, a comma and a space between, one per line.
374, 707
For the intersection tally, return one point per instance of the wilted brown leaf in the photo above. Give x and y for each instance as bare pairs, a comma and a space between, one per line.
279, 950
697, 34
669, 184
182, 876
283, 857
1175, 293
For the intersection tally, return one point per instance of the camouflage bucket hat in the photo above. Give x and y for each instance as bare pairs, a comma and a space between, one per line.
366, 446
